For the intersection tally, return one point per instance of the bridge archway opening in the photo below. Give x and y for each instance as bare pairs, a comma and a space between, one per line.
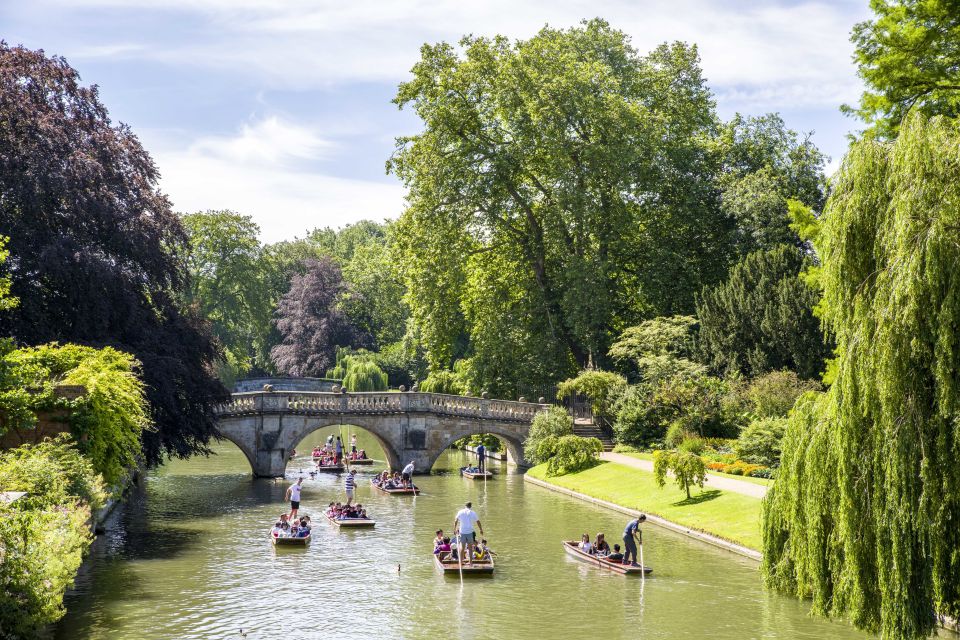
367, 439
226, 457
507, 443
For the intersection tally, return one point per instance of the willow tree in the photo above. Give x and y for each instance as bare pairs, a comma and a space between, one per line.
863, 517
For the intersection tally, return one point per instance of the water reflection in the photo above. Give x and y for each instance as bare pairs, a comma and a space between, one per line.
189, 557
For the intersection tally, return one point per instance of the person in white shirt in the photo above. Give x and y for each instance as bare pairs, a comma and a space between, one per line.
407, 475
293, 495
585, 545
353, 445
463, 525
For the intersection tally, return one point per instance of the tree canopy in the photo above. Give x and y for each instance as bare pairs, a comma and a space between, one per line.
761, 318
909, 58
312, 322
96, 252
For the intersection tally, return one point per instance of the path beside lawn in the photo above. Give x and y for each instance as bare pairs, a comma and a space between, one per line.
722, 513
714, 480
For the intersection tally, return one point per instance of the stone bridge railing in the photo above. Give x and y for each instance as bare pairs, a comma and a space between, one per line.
376, 403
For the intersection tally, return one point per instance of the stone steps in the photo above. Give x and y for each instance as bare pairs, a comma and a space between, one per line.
590, 430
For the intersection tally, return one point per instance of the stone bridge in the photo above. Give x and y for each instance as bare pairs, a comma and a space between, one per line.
416, 426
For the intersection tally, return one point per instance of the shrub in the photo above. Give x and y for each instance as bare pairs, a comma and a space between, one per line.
45, 534
773, 395
107, 421
552, 423
572, 453
760, 442
687, 468
676, 434
692, 445
638, 422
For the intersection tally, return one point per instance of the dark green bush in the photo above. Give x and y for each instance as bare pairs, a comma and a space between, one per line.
571, 454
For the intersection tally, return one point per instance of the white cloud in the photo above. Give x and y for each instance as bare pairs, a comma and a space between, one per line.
299, 43
260, 172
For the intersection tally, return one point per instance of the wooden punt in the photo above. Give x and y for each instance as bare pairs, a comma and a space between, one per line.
360, 461
335, 468
350, 522
570, 546
475, 475
452, 567
290, 542
397, 492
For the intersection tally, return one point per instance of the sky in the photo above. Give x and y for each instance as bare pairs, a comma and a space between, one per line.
281, 109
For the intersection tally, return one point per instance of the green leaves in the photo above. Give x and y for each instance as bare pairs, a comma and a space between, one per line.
687, 468
863, 514
909, 58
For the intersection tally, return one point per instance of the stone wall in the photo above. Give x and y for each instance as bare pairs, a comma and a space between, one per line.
285, 384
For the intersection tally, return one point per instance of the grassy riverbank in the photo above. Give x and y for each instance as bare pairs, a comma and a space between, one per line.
726, 515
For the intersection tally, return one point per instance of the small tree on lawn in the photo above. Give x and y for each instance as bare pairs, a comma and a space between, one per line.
687, 468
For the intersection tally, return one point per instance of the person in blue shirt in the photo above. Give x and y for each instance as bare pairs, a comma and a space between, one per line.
481, 450
631, 536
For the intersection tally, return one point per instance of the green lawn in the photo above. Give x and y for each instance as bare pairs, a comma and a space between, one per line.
731, 516
649, 456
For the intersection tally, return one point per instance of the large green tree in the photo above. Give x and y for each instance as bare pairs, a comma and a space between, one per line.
909, 58
863, 516
761, 319
580, 168
228, 286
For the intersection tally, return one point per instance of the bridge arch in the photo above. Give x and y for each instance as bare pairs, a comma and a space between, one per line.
393, 458
512, 441
243, 444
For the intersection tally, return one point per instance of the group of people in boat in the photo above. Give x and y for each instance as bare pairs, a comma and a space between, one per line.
601, 548
287, 527
331, 453
401, 480
339, 511
465, 527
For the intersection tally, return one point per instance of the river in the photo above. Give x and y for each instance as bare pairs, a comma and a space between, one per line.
187, 556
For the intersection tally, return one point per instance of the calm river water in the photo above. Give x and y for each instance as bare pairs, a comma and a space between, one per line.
188, 557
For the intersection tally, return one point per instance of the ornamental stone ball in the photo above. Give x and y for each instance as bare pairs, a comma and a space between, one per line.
416, 387
336, 388
343, 389
268, 388
523, 399
403, 388
485, 395
541, 400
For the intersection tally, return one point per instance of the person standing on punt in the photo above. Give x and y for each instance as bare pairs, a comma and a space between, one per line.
407, 475
353, 445
463, 525
350, 483
481, 455
293, 495
631, 536
339, 451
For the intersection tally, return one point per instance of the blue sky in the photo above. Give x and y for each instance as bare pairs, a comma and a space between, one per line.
281, 108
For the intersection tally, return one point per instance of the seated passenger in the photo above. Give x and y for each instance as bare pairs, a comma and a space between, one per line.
304, 526
444, 547
438, 540
616, 555
585, 544
362, 455
482, 551
600, 547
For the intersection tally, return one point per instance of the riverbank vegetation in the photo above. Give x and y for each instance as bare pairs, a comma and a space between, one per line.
724, 514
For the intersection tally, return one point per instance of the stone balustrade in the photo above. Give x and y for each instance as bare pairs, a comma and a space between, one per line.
376, 403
